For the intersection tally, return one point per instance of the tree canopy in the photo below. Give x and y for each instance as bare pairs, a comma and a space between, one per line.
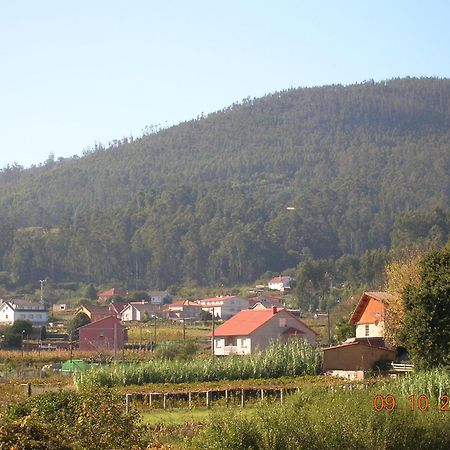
426, 330
361, 168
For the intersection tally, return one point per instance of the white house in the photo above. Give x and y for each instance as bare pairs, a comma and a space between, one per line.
158, 297
138, 311
224, 307
280, 283
368, 315
183, 309
13, 310
254, 329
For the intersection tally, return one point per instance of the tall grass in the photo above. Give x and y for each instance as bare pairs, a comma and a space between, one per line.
297, 358
317, 419
433, 383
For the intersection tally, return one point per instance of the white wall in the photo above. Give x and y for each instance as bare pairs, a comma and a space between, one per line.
374, 330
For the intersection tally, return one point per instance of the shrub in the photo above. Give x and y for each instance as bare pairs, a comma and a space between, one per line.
67, 420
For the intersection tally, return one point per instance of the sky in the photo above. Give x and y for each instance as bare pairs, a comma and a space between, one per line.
76, 73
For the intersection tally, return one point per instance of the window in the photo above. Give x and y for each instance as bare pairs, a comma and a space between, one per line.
283, 323
230, 340
367, 331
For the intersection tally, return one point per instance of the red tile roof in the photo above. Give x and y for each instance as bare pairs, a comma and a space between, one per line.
111, 292
279, 279
225, 298
244, 322
381, 297
247, 321
95, 309
106, 322
118, 307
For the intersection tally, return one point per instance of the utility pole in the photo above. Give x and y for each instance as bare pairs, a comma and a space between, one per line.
42, 290
71, 350
184, 329
154, 333
329, 325
212, 334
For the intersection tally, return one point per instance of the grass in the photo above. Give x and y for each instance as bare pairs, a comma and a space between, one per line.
144, 333
315, 418
181, 416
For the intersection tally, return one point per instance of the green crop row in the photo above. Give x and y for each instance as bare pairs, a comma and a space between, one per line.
297, 358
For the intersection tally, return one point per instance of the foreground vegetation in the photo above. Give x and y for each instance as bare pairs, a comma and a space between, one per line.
71, 421
278, 360
315, 418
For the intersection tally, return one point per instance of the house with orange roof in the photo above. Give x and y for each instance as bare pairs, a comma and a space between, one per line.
254, 329
368, 315
280, 283
368, 347
225, 306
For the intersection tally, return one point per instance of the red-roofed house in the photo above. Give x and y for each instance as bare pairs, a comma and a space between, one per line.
224, 307
94, 312
280, 283
183, 309
253, 329
368, 347
105, 334
369, 315
111, 292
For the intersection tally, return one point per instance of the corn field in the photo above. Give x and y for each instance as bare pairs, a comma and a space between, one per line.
296, 359
432, 383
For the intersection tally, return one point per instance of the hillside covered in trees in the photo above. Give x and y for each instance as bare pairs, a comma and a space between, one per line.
365, 166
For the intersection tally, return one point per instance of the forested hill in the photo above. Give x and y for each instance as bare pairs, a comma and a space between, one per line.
205, 201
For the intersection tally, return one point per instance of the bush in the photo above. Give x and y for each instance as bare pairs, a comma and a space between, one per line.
24, 327
73, 421
12, 340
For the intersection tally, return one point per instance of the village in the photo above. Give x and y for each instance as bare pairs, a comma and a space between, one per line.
229, 324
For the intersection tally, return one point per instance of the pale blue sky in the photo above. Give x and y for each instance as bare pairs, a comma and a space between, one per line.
73, 73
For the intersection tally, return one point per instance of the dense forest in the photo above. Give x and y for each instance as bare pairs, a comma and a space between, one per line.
325, 180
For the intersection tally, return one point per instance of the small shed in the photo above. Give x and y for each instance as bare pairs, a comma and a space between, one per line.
356, 354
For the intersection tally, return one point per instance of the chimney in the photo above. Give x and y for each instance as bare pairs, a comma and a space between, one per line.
274, 310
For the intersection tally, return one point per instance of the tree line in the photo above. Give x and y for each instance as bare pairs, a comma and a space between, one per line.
362, 168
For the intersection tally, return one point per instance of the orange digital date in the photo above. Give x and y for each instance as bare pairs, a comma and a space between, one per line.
420, 403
